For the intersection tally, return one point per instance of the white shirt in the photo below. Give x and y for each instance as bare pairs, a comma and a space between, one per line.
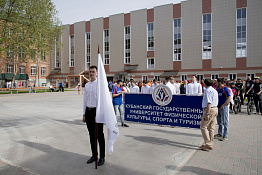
177, 88
194, 88
171, 87
126, 89
90, 95
134, 90
210, 96
145, 89
152, 88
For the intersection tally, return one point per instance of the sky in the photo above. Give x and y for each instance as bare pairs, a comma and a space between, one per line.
72, 11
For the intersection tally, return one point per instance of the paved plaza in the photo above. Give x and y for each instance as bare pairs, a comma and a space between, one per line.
43, 134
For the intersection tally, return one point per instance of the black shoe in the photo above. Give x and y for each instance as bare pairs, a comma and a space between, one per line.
92, 159
101, 161
125, 125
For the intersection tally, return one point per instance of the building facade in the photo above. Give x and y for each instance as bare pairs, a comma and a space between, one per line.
25, 69
207, 38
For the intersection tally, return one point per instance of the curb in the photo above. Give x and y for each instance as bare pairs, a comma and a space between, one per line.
185, 161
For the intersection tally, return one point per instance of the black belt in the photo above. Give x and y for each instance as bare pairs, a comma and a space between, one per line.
90, 109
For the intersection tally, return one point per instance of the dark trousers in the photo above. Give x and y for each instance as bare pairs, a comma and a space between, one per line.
90, 115
258, 101
241, 97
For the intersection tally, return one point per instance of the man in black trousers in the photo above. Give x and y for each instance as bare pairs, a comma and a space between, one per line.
89, 117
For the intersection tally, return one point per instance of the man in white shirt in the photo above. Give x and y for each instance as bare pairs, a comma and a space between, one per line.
146, 88
89, 115
194, 88
171, 86
209, 104
134, 89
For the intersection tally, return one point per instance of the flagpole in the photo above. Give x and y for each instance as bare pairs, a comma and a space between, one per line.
96, 145
96, 126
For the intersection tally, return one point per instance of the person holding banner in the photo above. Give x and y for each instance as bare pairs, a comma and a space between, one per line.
194, 88
209, 104
146, 88
170, 85
134, 89
89, 117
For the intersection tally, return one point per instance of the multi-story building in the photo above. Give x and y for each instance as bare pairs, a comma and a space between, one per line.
26, 71
207, 38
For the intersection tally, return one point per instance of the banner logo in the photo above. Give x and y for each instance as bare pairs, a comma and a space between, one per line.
162, 95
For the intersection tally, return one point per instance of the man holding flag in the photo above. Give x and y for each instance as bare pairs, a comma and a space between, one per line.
98, 110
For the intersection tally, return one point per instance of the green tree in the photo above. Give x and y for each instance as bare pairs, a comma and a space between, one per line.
27, 25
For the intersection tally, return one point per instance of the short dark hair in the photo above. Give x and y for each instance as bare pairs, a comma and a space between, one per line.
119, 81
228, 83
168, 78
145, 81
208, 82
93, 67
221, 80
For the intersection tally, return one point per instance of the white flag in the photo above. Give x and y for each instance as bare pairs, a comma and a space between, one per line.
104, 110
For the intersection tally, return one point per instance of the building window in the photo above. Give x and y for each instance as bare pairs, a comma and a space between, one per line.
43, 71
214, 76
150, 37
22, 69
72, 51
33, 70
57, 63
150, 63
183, 77
200, 77
10, 32
127, 45
9, 52
157, 77
177, 40
21, 53
232, 76
106, 47
33, 54
43, 56
76, 79
10, 69
144, 77
88, 50
252, 76
207, 43
241, 33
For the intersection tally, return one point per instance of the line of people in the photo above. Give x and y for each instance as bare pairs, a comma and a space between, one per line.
192, 87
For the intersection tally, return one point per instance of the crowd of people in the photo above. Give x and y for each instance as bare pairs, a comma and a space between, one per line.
217, 95
218, 99
242, 88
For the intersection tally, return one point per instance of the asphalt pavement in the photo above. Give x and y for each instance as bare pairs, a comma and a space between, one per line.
43, 134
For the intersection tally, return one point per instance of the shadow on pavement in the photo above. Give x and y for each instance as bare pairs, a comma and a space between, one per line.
160, 141
200, 171
57, 161
176, 133
75, 122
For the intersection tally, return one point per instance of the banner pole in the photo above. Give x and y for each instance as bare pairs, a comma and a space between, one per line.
96, 144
